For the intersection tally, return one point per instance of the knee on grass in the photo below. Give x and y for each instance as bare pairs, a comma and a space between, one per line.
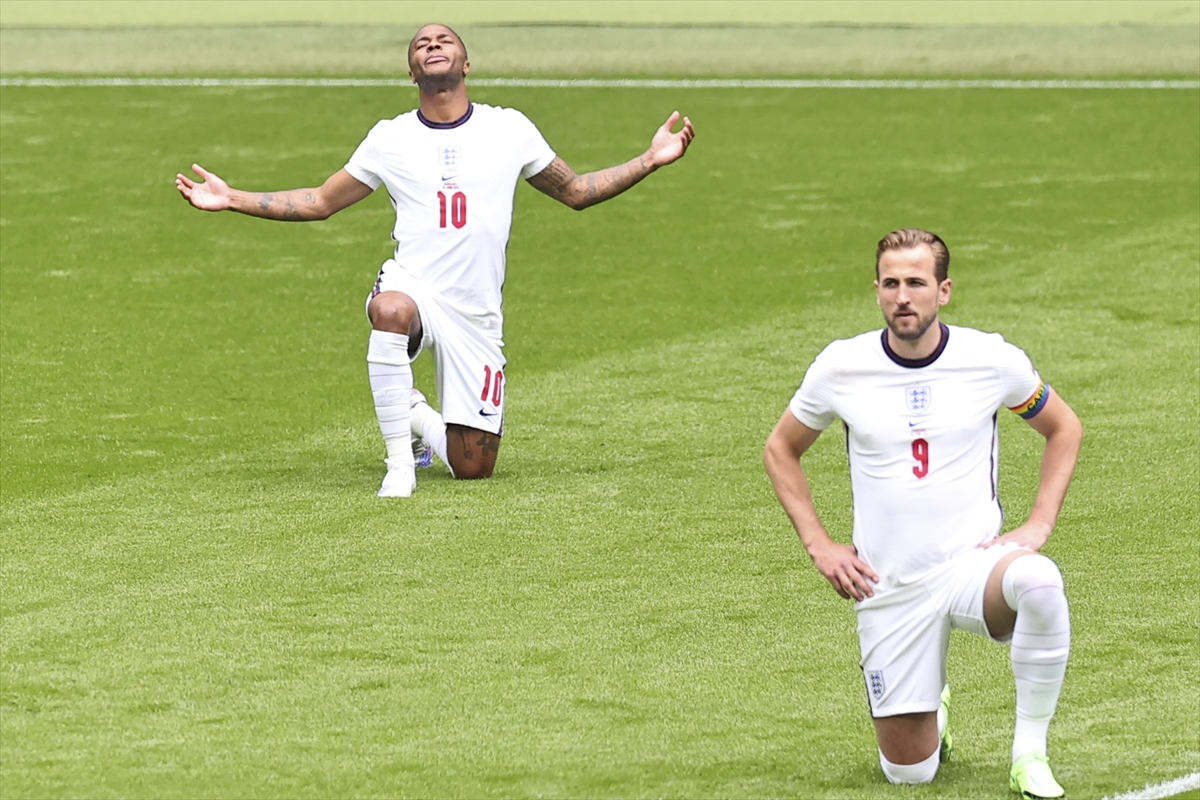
921, 772
471, 471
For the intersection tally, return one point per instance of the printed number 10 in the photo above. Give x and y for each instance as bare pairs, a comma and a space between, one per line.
492, 387
920, 450
458, 209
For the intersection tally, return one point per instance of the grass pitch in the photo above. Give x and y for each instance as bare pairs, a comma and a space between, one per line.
203, 598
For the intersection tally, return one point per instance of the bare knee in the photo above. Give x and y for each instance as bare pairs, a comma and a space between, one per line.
908, 738
395, 312
471, 452
471, 471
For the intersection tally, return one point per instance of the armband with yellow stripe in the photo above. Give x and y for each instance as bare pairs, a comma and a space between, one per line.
1030, 408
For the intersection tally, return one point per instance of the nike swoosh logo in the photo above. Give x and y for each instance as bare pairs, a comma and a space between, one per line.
915, 424
449, 177
483, 413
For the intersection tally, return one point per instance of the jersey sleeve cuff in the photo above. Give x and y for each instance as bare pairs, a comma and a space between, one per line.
362, 176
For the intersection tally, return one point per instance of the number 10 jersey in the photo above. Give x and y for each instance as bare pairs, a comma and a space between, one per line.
452, 187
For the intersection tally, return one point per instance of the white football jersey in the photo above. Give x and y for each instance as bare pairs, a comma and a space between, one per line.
452, 186
921, 439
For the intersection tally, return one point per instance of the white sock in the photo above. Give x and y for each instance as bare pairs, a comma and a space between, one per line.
1041, 642
921, 772
429, 426
391, 377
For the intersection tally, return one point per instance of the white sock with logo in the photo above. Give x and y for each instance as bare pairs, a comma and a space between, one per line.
390, 372
1041, 643
428, 424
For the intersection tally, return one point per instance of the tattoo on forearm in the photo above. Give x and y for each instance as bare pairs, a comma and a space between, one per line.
580, 191
559, 178
290, 211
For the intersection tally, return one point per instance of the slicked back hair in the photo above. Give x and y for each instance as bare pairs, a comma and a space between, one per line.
912, 237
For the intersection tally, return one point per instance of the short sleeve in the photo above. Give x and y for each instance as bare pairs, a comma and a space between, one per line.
813, 403
364, 165
535, 153
1023, 391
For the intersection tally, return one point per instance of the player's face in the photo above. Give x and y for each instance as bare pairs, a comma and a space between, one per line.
436, 52
908, 291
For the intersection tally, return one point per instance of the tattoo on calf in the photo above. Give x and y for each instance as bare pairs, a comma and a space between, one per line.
264, 202
489, 443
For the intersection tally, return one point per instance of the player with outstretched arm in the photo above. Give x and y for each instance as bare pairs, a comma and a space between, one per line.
450, 168
919, 402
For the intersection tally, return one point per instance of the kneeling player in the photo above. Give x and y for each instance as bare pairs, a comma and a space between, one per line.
919, 401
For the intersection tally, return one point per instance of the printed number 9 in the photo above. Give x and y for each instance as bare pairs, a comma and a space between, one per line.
920, 450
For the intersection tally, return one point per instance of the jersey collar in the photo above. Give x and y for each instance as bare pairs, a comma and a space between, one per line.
441, 126
916, 363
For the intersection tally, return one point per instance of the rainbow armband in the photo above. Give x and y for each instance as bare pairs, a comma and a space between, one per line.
1030, 408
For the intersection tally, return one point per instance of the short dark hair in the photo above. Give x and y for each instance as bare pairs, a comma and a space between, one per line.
447, 27
911, 237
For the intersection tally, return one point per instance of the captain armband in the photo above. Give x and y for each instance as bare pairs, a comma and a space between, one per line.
1031, 407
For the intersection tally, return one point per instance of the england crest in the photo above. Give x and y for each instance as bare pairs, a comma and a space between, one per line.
875, 683
450, 156
918, 398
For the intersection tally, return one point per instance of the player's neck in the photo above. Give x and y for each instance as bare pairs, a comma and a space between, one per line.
444, 105
917, 349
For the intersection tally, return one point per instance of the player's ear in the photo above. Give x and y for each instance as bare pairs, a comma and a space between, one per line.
944, 292
466, 67
878, 302
410, 76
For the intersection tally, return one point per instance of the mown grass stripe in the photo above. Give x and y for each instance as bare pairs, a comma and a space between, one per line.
619, 83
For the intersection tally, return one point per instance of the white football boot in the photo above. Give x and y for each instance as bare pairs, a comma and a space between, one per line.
400, 481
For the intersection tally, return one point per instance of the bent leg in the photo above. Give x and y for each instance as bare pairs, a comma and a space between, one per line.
396, 327
1027, 588
904, 638
909, 747
471, 452
430, 427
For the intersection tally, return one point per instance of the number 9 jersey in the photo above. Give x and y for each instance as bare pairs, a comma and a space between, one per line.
921, 439
452, 187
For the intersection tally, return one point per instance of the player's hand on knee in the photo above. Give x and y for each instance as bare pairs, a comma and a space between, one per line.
1031, 535
850, 576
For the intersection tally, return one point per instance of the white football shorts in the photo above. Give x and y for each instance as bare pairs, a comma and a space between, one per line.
904, 633
468, 359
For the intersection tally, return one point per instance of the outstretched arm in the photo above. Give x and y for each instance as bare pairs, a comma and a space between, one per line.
839, 563
561, 182
1063, 432
294, 205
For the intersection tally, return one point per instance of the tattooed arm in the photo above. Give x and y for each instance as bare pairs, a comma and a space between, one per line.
561, 182
295, 205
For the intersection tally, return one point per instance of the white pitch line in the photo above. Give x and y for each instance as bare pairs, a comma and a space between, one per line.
1158, 791
606, 83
